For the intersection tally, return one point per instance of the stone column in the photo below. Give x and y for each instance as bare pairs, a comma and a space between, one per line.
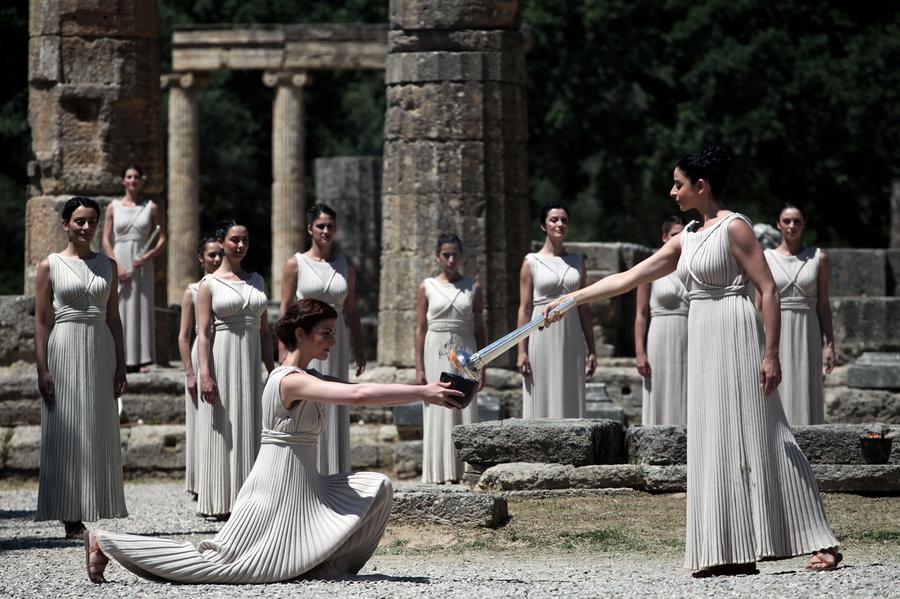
183, 221
895, 214
454, 157
93, 107
288, 222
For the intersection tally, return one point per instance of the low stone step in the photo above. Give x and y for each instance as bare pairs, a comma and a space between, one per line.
875, 370
454, 506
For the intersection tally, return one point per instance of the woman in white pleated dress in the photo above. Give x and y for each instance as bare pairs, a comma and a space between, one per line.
801, 275
554, 363
661, 352
81, 372
289, 521
320, 273
127, 228
233, 342
751, 493
448, 318
209, 254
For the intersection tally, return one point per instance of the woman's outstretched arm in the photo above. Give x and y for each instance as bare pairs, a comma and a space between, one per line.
305, 387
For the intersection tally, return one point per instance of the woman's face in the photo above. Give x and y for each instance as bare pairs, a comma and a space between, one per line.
791, 224
449, 258
323, 229
236, 242
82, 225
320, 339
556, 225
672, 232
211, 257
683, 191
132, 180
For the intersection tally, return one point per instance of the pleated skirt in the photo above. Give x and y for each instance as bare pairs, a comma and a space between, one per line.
288, 522
751, 494
81, 451
557, 354
190, 425
665, 390
801, 389
334, 442
136, 307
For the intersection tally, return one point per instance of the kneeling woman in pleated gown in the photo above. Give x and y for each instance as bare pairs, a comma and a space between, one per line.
751, 494
288, 520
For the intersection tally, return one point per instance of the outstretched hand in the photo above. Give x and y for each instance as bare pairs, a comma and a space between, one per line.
551, 314
769, 375
440, 394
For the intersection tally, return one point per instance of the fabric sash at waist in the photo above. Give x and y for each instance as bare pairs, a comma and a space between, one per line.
283, 439
657, 312
129, 237
244, 321
717, 293
89, 314
447, 325
796, 303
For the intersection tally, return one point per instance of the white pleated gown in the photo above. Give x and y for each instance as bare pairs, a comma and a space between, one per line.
665, 390
557, 354
131, 230
190, 408
751, 494
800, 346
450, 327
327, 282
288, 520
81, 452
228, 431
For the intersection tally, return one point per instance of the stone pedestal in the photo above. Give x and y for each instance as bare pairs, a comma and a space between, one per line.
184, 182
875, 370
288, 222
454, 158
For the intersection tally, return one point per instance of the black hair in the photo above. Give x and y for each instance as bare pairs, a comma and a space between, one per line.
790, 206
206, 240
318, 209
75, 203
448, 238
303, 314
712, 163
223, 227
133, 167
670, 221
551, 205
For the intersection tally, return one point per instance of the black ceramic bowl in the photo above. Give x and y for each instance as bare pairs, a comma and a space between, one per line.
461, 383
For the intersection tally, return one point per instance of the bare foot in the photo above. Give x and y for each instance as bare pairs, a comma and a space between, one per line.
825, 560
94, 560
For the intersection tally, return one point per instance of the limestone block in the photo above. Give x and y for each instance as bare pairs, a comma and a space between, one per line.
96, 18
864, 324
856, 478
572, 441
153, 408
442, 168
624, 386
408, 459
657, 445
665, 479
457, 508
456, 40
425, 67
16, 328
44, 63
23, 450
489, 407
408, 415
440, 111
521, 476
159, 447
857, 272
838, 443
843, 404
396, 337
875, 370
455, 14
363, 454
607, 476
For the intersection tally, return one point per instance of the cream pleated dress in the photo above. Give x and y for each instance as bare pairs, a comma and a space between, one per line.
751, 494
665, 390
450, 326
228, 431
131, 230
557, 354
288, 520
801, 390
81, 453
327, 282
190, 408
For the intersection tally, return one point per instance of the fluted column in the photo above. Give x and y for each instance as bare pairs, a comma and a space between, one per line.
183, 221
895, 214
288, 224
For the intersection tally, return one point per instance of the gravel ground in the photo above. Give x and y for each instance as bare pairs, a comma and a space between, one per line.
35, 562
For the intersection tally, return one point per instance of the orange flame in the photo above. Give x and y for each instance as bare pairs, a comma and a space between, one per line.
454, 359
873, 435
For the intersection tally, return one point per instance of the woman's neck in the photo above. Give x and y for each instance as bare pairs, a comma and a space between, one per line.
792, 247
231, 266
709, 210
449, 277
297, 359
132, 196
320, 252
554, 247
82, 250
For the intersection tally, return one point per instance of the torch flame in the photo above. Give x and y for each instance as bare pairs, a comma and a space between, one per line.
454, 359
873, 435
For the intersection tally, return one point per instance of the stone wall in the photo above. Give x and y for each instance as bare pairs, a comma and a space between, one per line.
454, 157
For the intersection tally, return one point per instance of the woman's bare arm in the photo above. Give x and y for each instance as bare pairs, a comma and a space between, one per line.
641, 324
351, 317
288, 294
43, 299
185, 329
301, 386
587, 329
823, 310
209, 391
421, 330
526, 292
114, 322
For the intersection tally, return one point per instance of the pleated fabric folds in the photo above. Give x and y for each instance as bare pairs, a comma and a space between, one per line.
288, 521
81, 453
190, 408
665, 390
751, 494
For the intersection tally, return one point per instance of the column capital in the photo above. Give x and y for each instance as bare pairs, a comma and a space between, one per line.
292, 78
186, 80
